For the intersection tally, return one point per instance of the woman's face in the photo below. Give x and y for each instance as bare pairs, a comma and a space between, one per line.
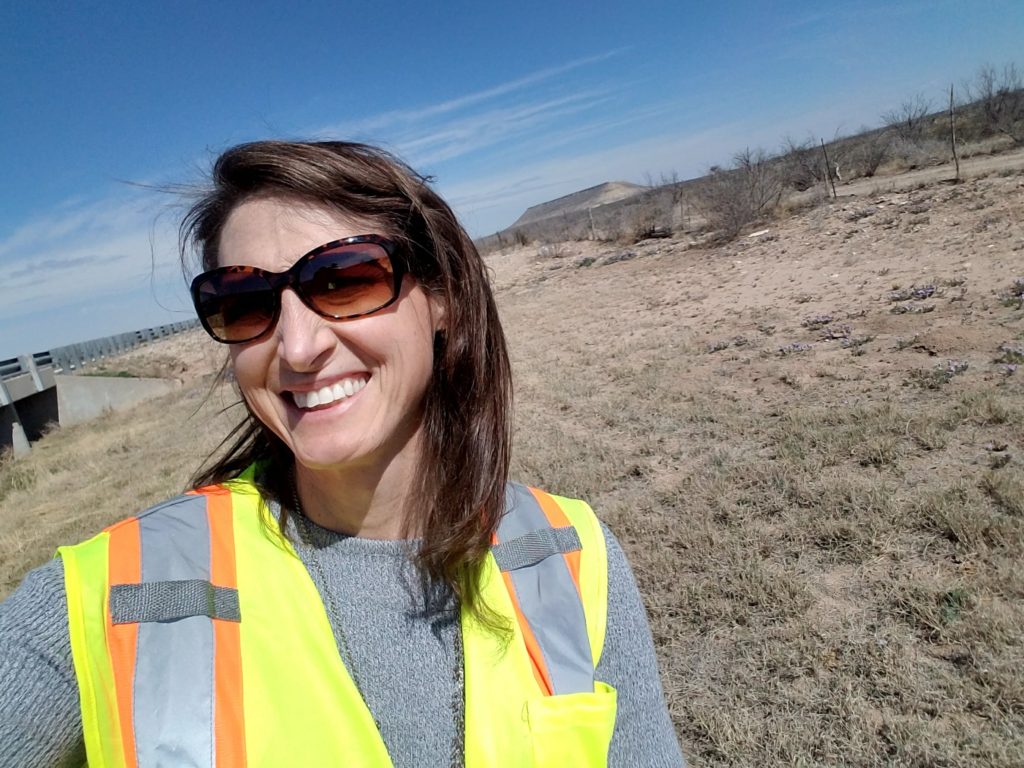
370, 372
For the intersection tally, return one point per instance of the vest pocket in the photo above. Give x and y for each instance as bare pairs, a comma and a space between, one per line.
573, 729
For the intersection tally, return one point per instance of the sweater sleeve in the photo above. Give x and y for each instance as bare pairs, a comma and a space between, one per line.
643, 729
40, 721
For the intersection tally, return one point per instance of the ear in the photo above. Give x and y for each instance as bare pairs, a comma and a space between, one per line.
438, 313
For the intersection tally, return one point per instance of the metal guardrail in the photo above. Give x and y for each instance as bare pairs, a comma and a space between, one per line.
10, 368
74, 356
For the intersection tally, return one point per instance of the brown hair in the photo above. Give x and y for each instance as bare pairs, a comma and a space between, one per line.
464, 463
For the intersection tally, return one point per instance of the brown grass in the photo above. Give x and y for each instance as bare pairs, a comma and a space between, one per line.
829, 553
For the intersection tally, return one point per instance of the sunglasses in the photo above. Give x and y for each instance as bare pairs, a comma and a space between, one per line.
339, 280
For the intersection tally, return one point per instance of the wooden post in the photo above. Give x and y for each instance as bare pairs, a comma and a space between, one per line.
828, 170
593, 233
952, 134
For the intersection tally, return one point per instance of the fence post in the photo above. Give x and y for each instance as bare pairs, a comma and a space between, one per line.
19, 440
828, 170
29, 366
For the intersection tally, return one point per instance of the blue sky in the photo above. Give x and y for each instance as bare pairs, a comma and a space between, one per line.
505, 104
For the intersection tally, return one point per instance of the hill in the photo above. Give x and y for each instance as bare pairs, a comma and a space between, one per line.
592, 197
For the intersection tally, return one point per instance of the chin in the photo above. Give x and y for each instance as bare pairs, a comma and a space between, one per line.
326, 455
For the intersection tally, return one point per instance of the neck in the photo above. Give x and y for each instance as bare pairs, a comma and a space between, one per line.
370, 500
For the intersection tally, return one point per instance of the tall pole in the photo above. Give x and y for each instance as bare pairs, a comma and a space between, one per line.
952, 134
828, 170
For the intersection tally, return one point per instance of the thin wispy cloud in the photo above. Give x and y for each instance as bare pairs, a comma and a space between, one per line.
496, 127
516, 111
104, 246
386, 121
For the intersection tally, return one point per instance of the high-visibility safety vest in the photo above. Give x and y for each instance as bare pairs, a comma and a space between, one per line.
199, 639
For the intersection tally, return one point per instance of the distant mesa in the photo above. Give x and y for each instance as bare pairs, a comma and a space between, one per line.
602, 194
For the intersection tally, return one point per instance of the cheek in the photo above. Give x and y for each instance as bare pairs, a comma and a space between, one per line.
250, 365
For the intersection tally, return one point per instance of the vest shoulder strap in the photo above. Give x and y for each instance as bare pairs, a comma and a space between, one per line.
537, 549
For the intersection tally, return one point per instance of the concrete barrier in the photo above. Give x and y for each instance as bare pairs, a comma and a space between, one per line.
12, 433
81, 398
28, 392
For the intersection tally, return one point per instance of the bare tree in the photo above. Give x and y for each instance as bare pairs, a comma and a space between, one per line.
1000, 98
868, 150
801, 164
675, 191
910, 120
750, 190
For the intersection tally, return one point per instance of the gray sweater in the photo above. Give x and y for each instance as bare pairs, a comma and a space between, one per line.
402, 661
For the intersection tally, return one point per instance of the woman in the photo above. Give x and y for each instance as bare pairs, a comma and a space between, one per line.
354, 581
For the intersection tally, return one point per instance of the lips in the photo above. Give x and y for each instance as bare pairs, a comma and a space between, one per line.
340, 390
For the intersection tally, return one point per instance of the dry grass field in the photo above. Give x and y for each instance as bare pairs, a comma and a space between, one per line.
809, 441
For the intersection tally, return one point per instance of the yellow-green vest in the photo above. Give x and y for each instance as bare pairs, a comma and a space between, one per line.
199, 638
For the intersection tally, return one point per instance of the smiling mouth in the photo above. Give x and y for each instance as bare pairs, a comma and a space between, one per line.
340, 390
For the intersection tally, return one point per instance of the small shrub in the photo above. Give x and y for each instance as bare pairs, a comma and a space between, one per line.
913, 292
615, 258
936, 378
816, 322
650, 231
552, 251
838, 331
1014, 295
861, 213
953, 603
855, 342
956, 367
796, 347
1012, 354
912, 308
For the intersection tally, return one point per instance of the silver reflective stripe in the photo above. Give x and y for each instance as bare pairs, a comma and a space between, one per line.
174, 665
172, 600
548, 599
530, 548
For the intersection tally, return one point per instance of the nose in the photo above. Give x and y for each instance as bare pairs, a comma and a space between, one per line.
305, 339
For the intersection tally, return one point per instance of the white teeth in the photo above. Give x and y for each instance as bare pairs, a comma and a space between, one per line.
325, 395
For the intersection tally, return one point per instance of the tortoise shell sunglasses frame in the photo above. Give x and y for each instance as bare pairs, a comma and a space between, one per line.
339, 280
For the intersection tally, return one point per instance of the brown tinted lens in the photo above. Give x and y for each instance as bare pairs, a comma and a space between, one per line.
349, 280
237, 306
